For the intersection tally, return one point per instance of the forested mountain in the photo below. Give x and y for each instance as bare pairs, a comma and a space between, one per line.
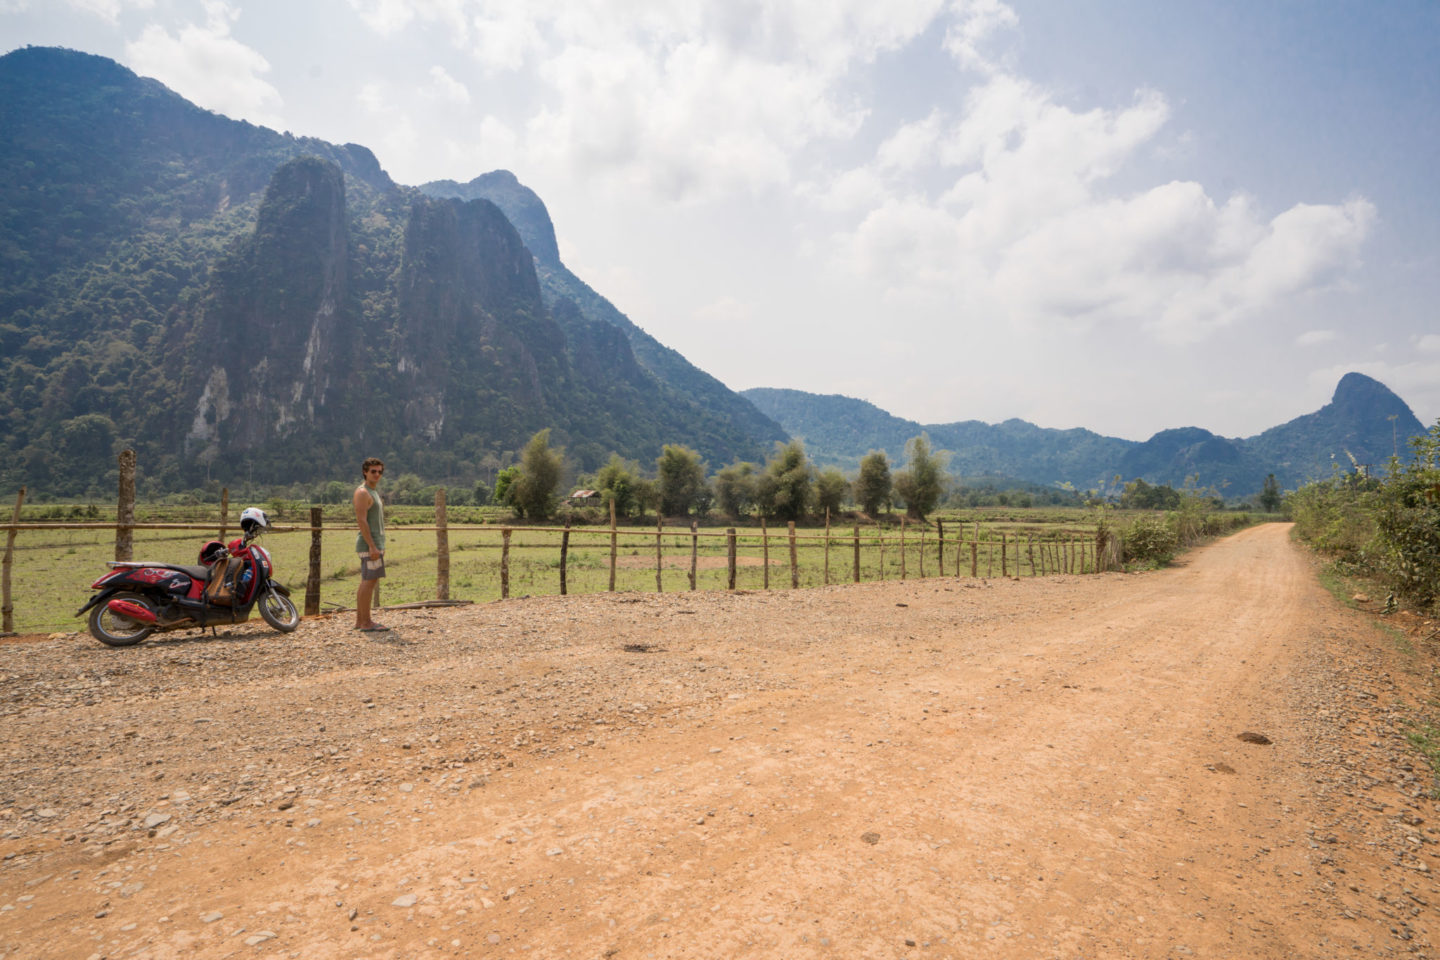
716, 411
1364, 420
235, 302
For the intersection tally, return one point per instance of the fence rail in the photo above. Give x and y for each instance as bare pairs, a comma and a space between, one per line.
713, 557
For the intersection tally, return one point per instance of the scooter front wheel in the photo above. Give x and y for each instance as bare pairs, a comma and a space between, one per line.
278, 611
116, 630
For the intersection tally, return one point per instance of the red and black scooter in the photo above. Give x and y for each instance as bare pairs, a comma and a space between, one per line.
137, 599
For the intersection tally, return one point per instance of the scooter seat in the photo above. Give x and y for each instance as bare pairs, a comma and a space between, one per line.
195, 573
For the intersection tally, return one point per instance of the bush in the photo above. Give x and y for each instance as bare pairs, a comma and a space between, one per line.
1385, 528
1150, 539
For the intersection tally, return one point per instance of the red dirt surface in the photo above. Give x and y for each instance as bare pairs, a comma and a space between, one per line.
1047, 767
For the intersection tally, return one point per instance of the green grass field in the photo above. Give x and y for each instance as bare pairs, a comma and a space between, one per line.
53, 568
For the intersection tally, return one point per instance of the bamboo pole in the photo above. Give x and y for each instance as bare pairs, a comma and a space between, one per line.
794, 560
125, 508
613, 535
857, 553
442, 549
564, 558
694, 549
764, 555
505, 564
659, 562
827, 546
730, 549
902, 549
312, 582
7, 609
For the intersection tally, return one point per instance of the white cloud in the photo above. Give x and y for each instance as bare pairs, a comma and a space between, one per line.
1026, 230
208, 66
372, 98
1429, 343
1311, 338
388, 17
976, 21
445, 87
108, 10
506, 35
684, 99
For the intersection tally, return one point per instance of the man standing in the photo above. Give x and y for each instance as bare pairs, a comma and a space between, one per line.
370, 543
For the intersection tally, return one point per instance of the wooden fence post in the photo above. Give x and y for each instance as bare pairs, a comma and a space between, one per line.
312, 582
940, 546
974, 558
442, 548
764, 555
903, 575
564, 556
612, 544
694, 549
730, 546
224, 512
880, 540
505, 564
1029, 550
827, 546
125, 508
7, 609
794, 560
659, 526
1004, 556
857, 553
922, 553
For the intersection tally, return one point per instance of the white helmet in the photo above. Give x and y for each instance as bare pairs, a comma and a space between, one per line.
252, 518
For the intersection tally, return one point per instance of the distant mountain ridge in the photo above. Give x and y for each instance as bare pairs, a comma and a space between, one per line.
1357, 422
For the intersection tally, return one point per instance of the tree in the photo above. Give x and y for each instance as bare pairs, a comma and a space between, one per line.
535, 491
1270, 495
680, 477
831, 488
481, 494
921, 482
505, 483
1139, 495
735, 488
873, 485
617, 481
785, 490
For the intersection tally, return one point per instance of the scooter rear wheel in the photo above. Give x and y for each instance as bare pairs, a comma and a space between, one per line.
114, 630
278, 611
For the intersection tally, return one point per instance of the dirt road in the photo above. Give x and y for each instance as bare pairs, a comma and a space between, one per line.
938, 768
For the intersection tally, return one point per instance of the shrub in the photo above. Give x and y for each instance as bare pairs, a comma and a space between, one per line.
1387, 528
1150, 539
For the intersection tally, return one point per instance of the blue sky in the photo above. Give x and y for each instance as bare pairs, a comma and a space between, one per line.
1120, 215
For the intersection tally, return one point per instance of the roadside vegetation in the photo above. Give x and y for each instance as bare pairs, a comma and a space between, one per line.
1382, 528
